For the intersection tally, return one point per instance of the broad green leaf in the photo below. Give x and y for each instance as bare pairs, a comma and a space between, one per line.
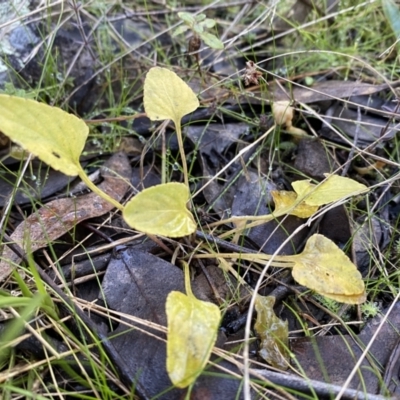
166, 96
51, 134
198, 29
199, 17
288, 203
273, 333
212, 41
192, 331
323, 267
208, 23
187, 17
179, 30
161, 210
334, 188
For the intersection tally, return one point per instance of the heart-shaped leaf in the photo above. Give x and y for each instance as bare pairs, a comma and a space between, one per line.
323, 267
166, 96
51, 134
192, 331
161, 210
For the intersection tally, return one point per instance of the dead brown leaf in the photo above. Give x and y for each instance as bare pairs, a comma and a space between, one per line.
59, 216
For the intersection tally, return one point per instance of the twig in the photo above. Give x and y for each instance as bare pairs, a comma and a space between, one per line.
321, 389
390, 370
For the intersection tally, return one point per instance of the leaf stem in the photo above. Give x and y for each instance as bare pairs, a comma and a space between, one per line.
182, 151
98, 191
186, 272
277, 261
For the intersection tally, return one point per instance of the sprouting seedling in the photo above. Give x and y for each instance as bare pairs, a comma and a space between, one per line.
199, 25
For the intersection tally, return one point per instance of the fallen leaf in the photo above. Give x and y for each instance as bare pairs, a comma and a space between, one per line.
192, 331
51, 134
161, 210
273, 333
59, 216
166, 96
323, 267
137, 283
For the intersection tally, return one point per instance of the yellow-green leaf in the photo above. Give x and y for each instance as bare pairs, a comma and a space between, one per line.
273, 333
323, 267
51, 134
166, 96
161, 210
334, 188
212, 41
192, 331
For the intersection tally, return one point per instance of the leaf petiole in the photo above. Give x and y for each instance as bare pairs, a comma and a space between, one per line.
182, 151
95, 189
261, 258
